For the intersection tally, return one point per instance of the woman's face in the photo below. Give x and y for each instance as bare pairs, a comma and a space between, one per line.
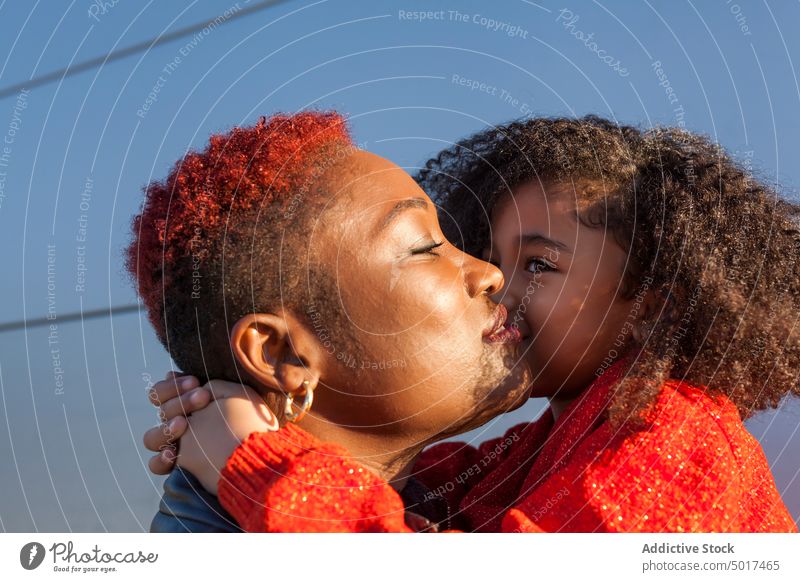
563, 284
418, 351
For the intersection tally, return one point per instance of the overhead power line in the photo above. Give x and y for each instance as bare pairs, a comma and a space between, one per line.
132, 50
78, 316
93, 64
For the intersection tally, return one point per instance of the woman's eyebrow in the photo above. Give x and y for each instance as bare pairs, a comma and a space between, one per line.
538, 238
406, 204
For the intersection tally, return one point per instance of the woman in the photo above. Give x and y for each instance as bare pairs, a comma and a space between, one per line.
250, 259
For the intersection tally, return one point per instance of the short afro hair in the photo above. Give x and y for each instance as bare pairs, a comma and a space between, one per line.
206, 246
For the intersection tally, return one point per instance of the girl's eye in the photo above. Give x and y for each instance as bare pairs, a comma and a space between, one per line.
538, 265
427, 249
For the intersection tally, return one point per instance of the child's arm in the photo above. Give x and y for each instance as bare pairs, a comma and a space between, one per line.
252, 483
265, 470
287, 481
214, 432
284, 481
448, 469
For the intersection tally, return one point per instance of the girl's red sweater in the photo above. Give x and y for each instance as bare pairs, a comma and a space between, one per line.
694, 468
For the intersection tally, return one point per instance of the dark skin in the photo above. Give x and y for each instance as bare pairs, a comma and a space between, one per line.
563, 288
562, 291
409, 296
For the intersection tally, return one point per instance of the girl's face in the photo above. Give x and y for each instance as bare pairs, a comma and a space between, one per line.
563, 287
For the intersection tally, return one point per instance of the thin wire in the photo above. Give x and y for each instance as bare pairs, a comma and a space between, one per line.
131, 50
92, 64
95, 313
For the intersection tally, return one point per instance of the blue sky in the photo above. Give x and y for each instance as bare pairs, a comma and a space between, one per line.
82, 149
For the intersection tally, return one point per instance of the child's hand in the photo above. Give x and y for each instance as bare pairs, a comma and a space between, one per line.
215, 431
176, 398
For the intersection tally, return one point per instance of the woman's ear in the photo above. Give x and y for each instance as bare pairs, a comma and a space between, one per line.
276, 351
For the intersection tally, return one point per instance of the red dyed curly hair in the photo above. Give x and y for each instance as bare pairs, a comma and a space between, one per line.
187, 258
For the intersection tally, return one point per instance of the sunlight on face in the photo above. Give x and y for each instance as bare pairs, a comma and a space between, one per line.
563, 280
418, 306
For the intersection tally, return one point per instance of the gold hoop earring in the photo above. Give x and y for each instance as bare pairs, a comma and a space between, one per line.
307, 392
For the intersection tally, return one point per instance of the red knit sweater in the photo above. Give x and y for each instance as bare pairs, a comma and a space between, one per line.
696, 468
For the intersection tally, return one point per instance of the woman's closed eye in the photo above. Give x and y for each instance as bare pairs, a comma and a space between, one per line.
428, 249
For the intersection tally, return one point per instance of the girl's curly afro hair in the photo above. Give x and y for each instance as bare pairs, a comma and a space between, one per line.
719, 248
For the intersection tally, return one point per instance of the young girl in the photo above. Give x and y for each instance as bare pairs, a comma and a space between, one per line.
655, 284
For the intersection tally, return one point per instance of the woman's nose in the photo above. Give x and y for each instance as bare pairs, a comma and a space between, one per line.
482, 278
